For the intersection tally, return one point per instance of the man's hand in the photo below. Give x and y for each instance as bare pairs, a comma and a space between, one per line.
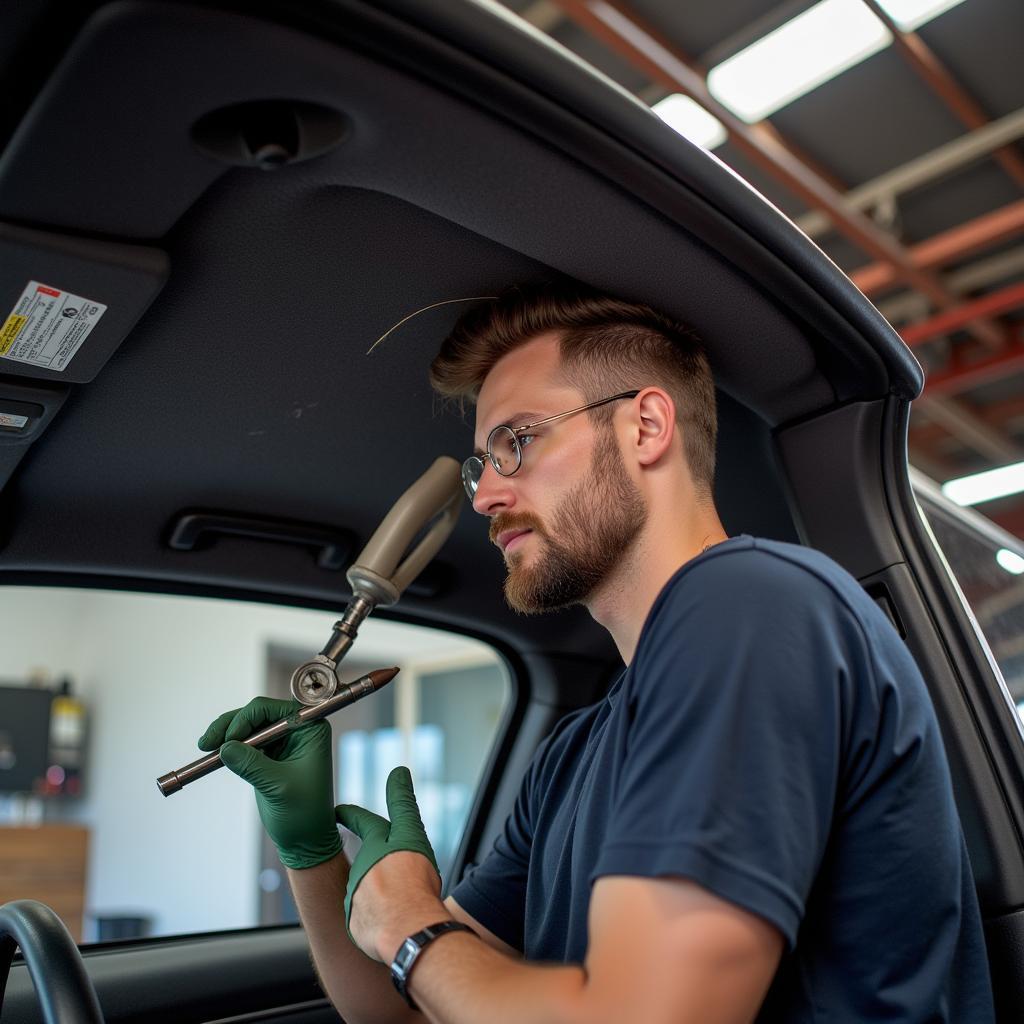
292, 778
398, 895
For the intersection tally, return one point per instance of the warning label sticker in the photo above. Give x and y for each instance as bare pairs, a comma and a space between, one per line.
47, 326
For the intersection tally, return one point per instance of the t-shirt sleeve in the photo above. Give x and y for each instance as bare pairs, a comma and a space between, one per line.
734, 740
494, 891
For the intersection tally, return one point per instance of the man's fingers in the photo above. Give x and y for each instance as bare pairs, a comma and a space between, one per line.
402, 807
214, 735
248, 763
361, 821
260, 711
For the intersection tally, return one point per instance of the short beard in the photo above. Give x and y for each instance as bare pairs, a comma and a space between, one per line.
594, 526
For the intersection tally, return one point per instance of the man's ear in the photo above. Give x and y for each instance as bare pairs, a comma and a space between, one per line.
654, 423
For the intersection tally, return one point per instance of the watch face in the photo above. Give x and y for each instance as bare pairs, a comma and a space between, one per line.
405, 955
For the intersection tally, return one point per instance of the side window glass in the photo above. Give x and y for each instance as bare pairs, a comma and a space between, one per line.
102, 692
990, 571
440, 723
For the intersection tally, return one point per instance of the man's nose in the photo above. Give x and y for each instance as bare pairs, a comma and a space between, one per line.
494, 493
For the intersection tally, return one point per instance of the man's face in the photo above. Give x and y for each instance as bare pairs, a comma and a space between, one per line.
570, 513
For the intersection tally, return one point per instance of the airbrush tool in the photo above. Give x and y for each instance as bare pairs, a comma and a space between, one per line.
172, 782
378, 577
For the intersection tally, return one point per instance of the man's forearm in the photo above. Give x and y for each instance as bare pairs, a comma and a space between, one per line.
359, 988
460, 980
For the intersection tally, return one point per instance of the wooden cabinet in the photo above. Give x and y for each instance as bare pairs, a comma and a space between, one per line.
46, 863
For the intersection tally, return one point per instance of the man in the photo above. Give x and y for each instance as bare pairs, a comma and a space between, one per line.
755, 823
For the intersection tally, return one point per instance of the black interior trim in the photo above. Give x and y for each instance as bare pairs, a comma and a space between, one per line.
227, 974
1004, 937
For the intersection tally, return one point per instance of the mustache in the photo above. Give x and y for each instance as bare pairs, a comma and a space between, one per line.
513, 521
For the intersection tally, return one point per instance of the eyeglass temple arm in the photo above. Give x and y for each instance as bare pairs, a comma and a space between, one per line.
590, 405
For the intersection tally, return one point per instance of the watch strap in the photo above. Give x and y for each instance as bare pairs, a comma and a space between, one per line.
410, 950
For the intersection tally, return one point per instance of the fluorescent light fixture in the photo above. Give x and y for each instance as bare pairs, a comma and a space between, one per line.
691, 120
993, 483
1010, 561
797, 57
912, 14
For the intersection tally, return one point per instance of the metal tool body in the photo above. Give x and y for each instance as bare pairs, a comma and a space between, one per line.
380, 573
316, 680
348, 694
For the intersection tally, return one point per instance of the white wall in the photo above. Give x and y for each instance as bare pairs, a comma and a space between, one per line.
154, 671
37, 630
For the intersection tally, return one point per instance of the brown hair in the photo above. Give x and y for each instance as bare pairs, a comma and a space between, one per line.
606, 345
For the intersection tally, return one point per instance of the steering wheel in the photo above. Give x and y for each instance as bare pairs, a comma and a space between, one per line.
63, 987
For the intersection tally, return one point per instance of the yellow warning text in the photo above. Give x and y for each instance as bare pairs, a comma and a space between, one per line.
10, 331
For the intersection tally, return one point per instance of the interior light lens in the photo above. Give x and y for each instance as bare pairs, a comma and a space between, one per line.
691, 120
797, 57
912, 14
979, 487
1010, 561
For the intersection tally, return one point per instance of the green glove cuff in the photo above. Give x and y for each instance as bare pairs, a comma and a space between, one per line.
308, 855
380, 837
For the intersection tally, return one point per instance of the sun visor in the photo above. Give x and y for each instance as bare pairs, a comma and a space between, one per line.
66, 303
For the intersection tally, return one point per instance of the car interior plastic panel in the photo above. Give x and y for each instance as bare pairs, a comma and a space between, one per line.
841, 505
229, 976
1004, 938
33, 409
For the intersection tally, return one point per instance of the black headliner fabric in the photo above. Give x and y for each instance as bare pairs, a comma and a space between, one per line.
144, 173
246, 386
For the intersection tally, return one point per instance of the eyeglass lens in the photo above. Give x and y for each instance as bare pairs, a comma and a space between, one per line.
504, 453
503, 448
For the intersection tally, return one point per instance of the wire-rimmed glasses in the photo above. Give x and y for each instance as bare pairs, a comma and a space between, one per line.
505, 449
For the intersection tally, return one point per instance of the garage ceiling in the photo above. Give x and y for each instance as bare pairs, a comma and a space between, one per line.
907, 169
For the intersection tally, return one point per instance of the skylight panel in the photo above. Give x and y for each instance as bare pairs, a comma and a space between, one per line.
979, 487
912, 14
797, 57
691, 120
1010, 561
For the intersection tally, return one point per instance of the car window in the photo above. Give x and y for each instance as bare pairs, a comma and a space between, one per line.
989, 567
103, 692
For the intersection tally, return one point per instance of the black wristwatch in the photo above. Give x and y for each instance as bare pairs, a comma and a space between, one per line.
409, 952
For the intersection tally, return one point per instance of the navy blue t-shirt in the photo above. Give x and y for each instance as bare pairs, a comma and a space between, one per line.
773, 741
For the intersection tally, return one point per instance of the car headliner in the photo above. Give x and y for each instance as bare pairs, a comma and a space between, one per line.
246, 385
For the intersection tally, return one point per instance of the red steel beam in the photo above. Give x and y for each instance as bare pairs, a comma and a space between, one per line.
628, 36
762, 147
936, 76
955, 379
1010, 519
929, 433
675, 71
998, 302
977, 234
770, 132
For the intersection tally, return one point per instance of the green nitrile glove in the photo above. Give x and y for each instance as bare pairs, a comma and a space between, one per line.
380, 837
293, 778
